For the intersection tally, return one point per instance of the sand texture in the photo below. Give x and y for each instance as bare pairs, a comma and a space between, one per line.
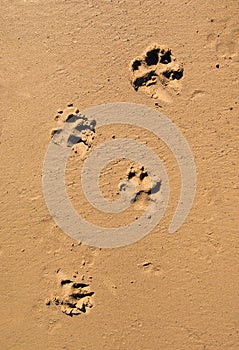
166, 291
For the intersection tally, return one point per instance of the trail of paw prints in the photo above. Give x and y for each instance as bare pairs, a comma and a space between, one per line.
73, 296
157, 73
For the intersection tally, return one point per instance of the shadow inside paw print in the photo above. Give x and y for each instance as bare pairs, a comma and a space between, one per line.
74, 297
157, 73
78, 129
151, 268
138, 175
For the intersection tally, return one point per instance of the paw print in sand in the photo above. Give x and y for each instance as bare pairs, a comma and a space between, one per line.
157, 73
74, 298
79, 132
138, 175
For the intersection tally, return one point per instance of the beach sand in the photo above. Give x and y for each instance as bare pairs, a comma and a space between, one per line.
166, 291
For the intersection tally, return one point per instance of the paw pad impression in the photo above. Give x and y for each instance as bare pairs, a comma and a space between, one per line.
74, 298
157, 73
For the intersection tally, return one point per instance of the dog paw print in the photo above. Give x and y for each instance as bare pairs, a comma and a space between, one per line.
143, 185
157, 73
73, 298
223, 41
139, 176
78, 129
